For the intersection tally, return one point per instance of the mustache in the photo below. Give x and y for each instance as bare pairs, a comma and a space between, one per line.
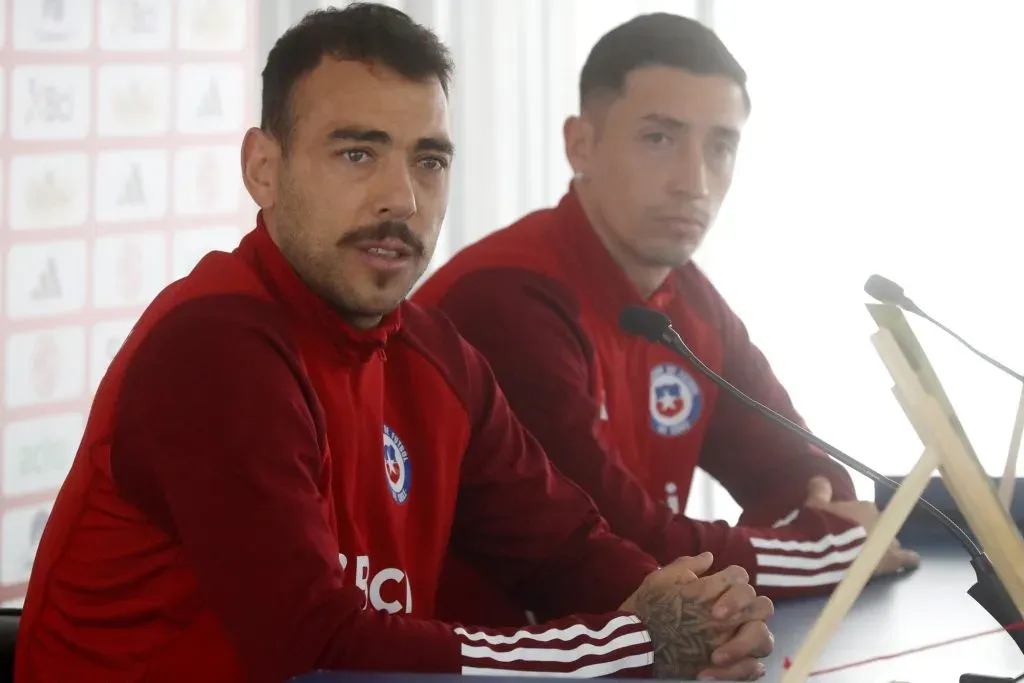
382, 231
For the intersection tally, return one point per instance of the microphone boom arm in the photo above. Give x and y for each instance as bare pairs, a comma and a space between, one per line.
671, 339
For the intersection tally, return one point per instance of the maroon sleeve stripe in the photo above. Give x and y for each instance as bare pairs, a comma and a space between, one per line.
572, 648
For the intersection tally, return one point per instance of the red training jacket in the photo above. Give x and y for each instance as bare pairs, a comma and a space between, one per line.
630, 421
263, 491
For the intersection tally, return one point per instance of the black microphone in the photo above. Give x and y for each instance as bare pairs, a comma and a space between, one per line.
886, 291
988, 591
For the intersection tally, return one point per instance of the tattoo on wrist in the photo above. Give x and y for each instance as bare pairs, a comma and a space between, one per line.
682, 632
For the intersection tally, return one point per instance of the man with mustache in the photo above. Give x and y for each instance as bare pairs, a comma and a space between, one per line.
662, 107
280, 455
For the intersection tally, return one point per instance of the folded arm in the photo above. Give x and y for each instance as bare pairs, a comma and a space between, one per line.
219, 442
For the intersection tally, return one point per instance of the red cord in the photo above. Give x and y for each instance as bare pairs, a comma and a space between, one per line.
787, 663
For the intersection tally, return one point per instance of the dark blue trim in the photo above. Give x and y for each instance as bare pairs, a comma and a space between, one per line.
921, 526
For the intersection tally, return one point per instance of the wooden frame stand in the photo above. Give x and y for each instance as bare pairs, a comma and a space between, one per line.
947, 449
1010, 472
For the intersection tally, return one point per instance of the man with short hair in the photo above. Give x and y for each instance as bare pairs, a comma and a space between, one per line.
662, 107
278, 459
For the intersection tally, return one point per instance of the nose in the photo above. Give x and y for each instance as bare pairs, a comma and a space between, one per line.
396, 193
691, 176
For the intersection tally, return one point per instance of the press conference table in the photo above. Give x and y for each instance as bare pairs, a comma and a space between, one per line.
892, 615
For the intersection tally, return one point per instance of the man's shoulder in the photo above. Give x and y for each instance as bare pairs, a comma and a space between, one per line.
700, 295
692, 278
524, 246
221, 299
494, 277
515, 244
212, 314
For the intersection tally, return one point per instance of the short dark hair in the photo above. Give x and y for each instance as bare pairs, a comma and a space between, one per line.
658, 39
363, 32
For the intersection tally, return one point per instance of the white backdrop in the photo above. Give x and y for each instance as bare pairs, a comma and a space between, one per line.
885, 138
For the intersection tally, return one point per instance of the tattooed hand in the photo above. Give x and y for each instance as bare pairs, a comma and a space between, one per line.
712, 627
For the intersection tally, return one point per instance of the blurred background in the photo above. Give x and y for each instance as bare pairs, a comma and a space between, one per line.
886, 136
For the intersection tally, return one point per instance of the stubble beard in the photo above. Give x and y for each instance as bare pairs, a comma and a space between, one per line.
293, 220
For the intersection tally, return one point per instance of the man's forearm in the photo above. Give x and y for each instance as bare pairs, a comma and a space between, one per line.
785, 489
804, 553
583, 647
580, 647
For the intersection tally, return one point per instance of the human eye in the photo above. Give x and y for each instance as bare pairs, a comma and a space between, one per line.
656, 138
434, 163
355, 156
723, 149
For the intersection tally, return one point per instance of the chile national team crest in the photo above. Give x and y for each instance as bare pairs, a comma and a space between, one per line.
675, 400
396, 466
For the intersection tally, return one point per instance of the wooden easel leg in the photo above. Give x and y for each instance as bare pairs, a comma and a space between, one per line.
976, 498
860, 572
937, 427
1010, 471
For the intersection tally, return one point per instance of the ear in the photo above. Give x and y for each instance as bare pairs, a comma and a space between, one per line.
261, 155
579, 143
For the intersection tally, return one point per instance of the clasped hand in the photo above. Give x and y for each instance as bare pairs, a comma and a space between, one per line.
704, 627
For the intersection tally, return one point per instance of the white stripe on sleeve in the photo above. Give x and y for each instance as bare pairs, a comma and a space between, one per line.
575, 650
568, 633
806, 564
801, 562
800, 580
827, 541
589, 671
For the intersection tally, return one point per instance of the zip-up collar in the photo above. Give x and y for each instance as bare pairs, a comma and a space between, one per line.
306, 307
587, 260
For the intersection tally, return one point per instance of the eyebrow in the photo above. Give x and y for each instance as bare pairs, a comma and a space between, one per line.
676, 124
381, 137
